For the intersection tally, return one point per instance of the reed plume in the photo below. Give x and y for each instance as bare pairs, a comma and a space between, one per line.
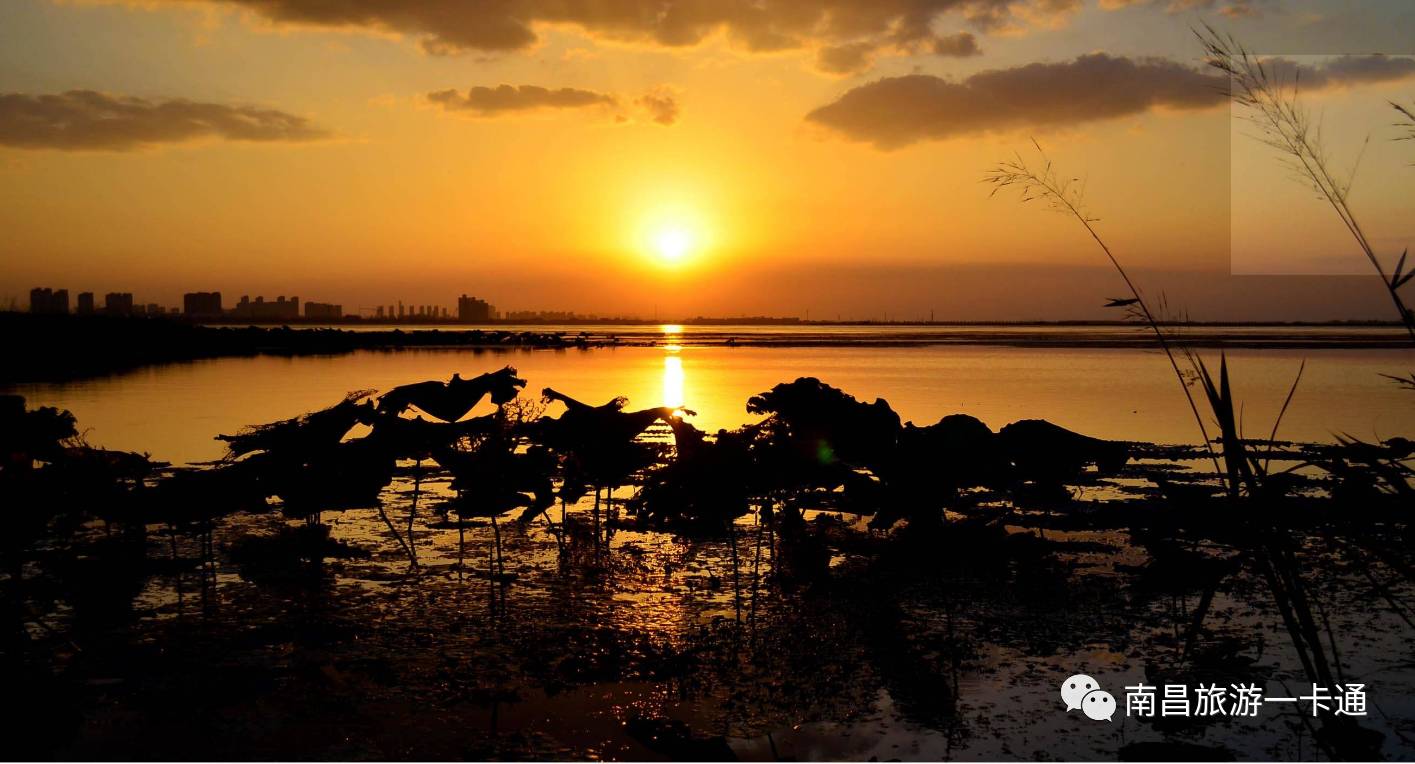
1275, 108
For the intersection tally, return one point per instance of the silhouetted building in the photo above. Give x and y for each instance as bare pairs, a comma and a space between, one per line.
118, 303
153, 309
324, 311
472, 309
85, 305
46, 300
202, 304
280, 309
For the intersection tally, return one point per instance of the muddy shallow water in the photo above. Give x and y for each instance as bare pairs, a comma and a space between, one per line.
634, 644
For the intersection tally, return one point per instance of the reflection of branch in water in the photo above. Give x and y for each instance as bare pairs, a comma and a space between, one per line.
736, 575
413, 511
208, 565
1200, 612
412, 558
756, 574
1397, 607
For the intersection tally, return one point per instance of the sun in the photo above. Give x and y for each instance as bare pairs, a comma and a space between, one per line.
672, 233
673, 244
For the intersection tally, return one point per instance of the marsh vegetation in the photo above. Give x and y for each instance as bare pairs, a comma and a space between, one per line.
831, 581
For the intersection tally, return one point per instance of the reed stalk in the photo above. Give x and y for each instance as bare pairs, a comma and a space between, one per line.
1405, 120
1065, 197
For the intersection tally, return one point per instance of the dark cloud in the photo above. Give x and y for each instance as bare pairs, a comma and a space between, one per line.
1233, 9
661, 106
451, 26
856, 57
898, 111
1342, 71
958, 45
84, 119
846, 59
504, 99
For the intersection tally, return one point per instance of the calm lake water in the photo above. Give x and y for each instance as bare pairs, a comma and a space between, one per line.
173, 411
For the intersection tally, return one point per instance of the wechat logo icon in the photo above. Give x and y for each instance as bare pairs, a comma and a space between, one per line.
1085, 693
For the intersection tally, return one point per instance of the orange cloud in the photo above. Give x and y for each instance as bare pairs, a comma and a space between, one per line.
486, 101
660, 104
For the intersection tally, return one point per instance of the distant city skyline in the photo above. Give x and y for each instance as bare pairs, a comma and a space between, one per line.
212, 305
1258, 298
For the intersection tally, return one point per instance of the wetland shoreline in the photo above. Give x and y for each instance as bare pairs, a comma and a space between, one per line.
59, 348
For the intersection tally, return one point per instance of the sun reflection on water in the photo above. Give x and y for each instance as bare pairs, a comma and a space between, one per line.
673, 365
672, 337
673, 380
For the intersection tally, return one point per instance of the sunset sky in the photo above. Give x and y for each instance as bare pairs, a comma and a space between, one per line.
715, 157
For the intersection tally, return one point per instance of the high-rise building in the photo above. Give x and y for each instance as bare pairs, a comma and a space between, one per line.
202, 304
85, 305
46, 300
278, 310
324, 311
472, 309
118, 303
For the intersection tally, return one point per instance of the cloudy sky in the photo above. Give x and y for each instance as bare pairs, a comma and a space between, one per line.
715, 157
